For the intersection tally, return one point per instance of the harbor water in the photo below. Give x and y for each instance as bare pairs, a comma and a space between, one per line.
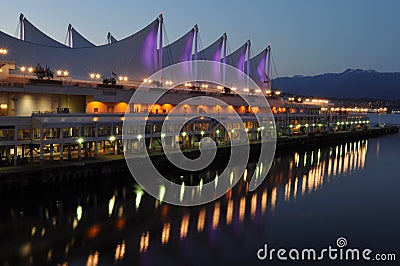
309, 200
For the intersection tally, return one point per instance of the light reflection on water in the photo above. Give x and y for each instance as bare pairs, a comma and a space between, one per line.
110, 225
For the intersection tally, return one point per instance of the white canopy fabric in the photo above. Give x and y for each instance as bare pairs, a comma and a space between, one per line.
212, 52
178, 51
78, 41
237, 58
34, 35
257, 67
134, 56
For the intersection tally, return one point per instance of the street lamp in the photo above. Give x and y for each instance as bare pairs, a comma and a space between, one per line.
139, 137
23, 69
94, 75
62, 73
3, 52
183, 139
123, 78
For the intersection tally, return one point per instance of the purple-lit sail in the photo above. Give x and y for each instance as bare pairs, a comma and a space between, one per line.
257, 68
178, 51
134, 56
237, 58
213, 53
147, 53
34, 35
78, 41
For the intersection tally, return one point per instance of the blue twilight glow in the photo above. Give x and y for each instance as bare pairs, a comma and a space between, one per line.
307, 37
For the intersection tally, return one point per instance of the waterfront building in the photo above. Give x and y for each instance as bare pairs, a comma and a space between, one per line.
80, 112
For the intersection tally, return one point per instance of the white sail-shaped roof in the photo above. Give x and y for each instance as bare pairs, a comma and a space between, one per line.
178, 51
257, 67
213, 52
110, 38
34, 35
237, 58
78, 41
134, 56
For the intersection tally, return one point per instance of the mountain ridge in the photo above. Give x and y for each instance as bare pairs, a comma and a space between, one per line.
351, 83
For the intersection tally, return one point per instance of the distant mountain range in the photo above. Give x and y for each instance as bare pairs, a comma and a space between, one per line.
352, 83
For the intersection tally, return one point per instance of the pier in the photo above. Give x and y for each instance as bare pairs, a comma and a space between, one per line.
59, 172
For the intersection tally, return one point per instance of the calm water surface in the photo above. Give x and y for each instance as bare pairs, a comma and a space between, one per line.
309, 200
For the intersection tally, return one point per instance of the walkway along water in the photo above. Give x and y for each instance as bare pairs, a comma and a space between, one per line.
14, 178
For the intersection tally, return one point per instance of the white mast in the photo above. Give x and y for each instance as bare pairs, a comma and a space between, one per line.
224, 48
196, 32
69, 33
248, 64
224, 39
109, 38
160, 49
21, 26
248, 58
268, 66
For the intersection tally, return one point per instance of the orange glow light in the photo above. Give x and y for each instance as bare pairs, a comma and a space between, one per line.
93, 231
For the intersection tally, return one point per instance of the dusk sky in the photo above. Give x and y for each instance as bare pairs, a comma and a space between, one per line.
307, 37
